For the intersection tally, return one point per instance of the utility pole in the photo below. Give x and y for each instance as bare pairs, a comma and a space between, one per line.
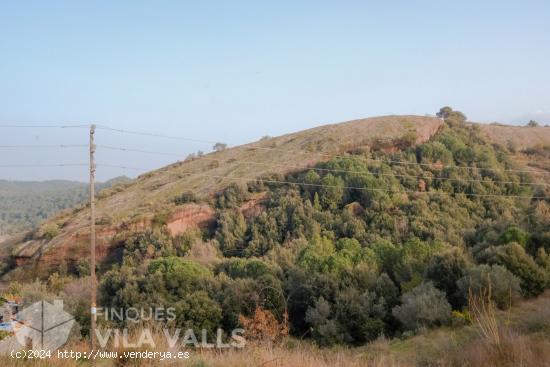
93, 309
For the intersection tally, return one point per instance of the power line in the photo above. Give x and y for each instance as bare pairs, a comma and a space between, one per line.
143, 133
138, 150
242, 178
45, 165
122, 167
433, 165
327, 169
43, 146
65, 126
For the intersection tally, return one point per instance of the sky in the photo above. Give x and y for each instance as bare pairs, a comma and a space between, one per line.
234, 71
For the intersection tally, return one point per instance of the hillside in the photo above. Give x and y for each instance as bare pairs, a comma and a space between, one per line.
529, 146
339, 235
134, 204
518, 137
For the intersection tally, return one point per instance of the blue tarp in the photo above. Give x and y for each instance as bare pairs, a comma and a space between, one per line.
6, 326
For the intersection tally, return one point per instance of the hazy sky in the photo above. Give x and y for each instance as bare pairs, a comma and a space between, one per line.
234, 71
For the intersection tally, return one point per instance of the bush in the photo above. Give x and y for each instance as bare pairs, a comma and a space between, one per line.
332, 191
444, 270
325, 330
233, 196
424, 306
245, 268
514, 234
180, 275
182, 243
504, 286
48, 231
149, 244
533, 279
186, 197
198, 311
231, 232
263, 326
218, 147
4, 334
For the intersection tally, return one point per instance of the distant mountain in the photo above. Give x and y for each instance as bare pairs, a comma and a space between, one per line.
24, 204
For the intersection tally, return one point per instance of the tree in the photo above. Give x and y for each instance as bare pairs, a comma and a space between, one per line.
179, 276
533, 123
231, 232
444, 112
450, 116
332, 191
360, 314
326, 331
218, 147
424, 306
533, 278
245, 268
504, 286
444, 270
147, 245
514, 234
198, 311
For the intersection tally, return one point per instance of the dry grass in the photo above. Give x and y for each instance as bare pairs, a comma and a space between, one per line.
523, 340
519, 136
519, 336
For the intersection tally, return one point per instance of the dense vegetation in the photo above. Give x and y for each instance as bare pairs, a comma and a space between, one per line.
23, 205
369, 243
363, 246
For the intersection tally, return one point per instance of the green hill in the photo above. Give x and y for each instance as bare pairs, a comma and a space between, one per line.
339, 234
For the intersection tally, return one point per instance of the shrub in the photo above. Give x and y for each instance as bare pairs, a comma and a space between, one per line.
4, 334
48, 231
231, 232
245, 268
360, 314
182, 243
514, 234
424, 306
533, 278
198, 311
326, 331
459, 318
180, 275
504, 286
264, 326
218, 147
444, 270
148, 245
332, 191
233, 196
186, 197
